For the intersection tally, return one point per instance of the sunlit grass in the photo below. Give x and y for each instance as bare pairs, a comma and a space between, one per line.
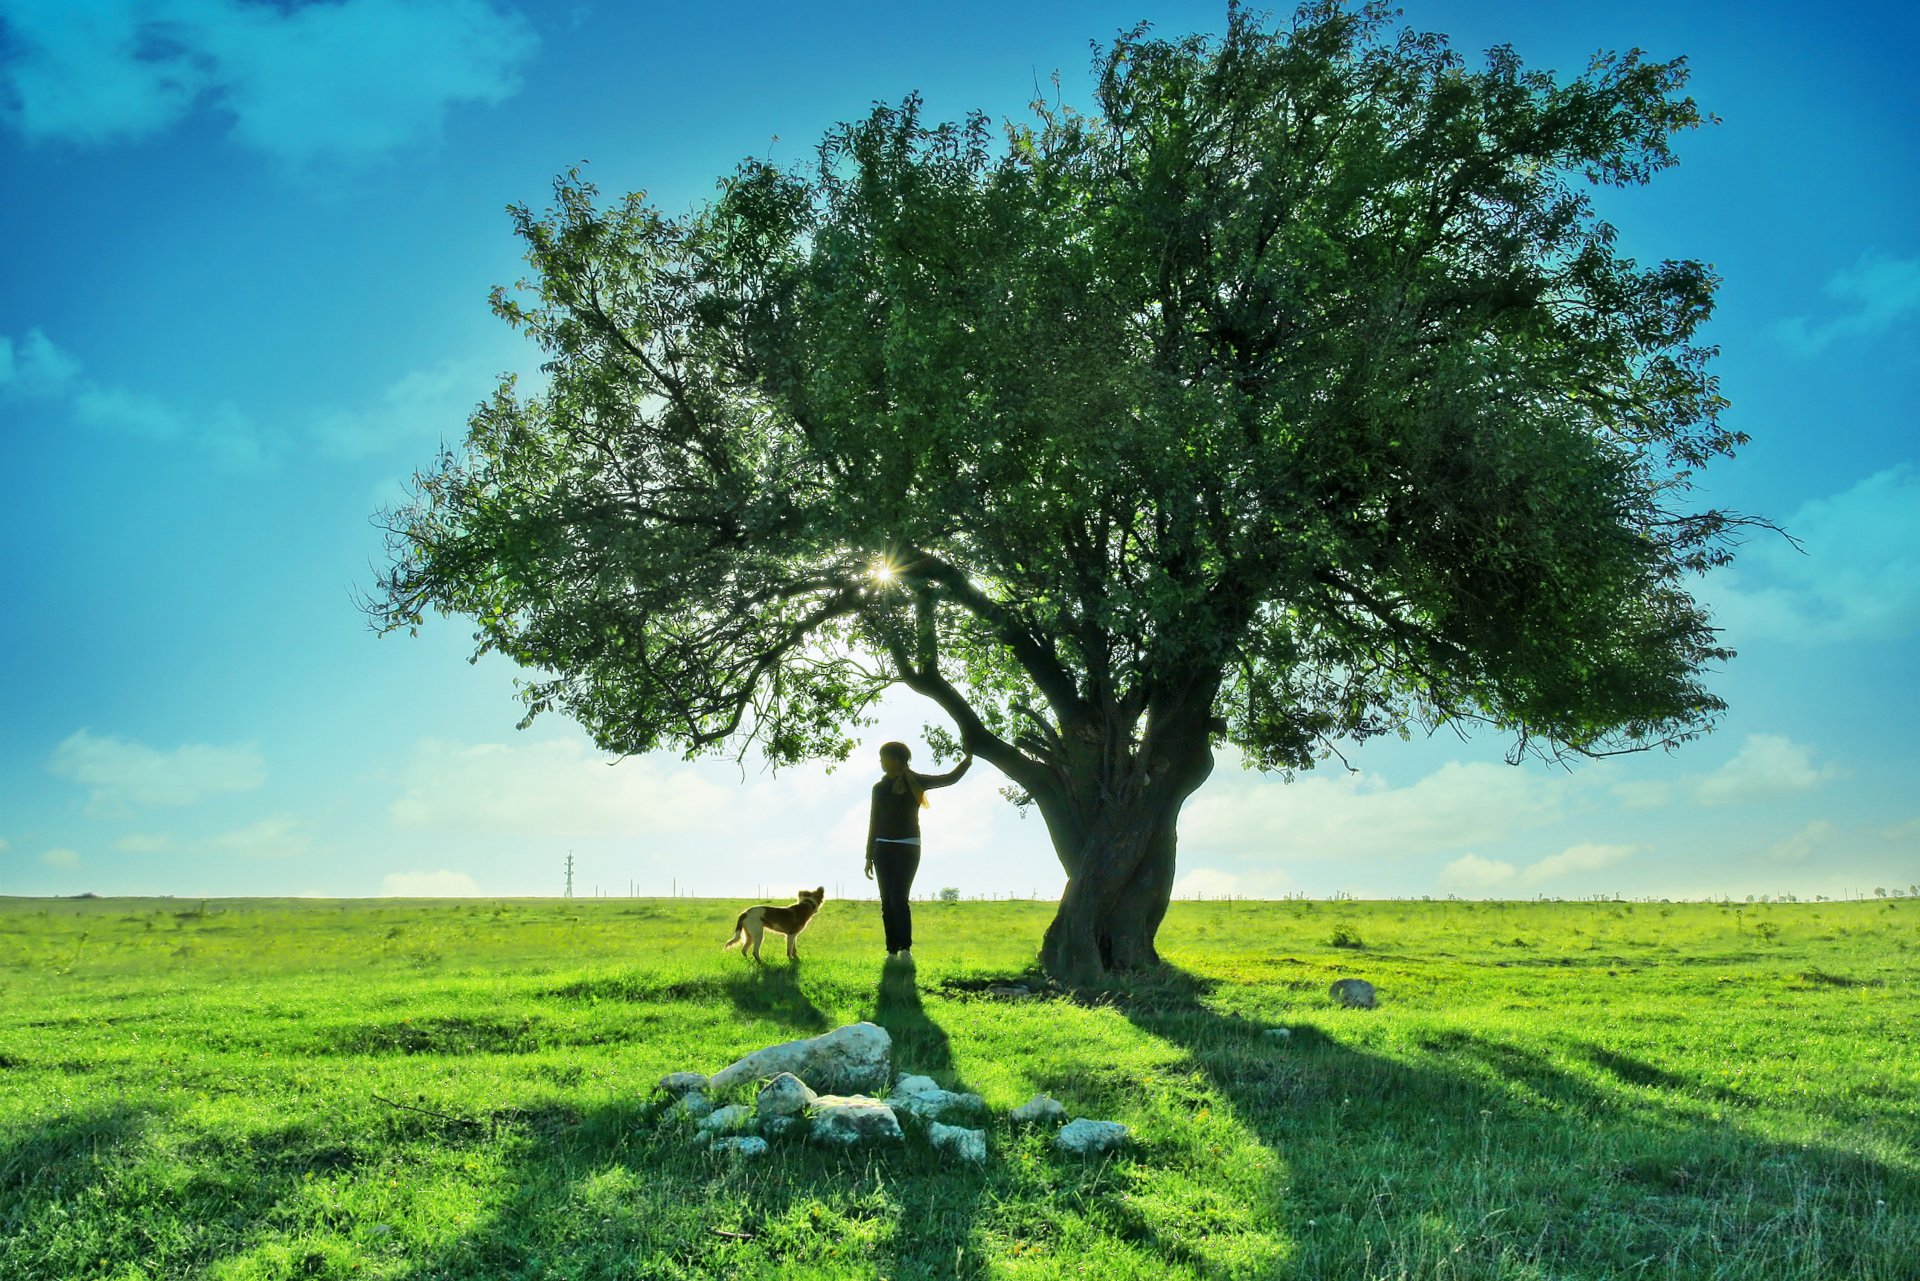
1547, 1090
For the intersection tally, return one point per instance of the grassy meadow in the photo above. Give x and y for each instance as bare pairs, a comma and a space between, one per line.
419, 1089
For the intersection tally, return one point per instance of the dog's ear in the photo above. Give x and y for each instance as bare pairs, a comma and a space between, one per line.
821, 893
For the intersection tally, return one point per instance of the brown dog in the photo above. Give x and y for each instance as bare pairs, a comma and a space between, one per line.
788, 920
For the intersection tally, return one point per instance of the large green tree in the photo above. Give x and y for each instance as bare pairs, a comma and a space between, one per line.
1295, 395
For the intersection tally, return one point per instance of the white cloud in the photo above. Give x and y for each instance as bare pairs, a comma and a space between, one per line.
38, 369
353, 80
1358, 816
1859, 578
279, 837
1767, 766
420, 408
61, 858
552, 789
122, 772
1810, 840
144, 843
35, 366
3, 846
440, 884
1474, 874
1586, 857
1875, 294
1212, 882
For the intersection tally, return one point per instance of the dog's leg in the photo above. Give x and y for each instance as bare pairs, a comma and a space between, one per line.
793, 953
758, 934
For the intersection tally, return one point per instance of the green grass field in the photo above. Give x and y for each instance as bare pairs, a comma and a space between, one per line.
1547, 1091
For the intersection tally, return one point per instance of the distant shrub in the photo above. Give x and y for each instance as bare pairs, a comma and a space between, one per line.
949, 894
1343, 936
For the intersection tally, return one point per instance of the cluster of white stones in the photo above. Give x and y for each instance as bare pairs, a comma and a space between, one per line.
853, 1060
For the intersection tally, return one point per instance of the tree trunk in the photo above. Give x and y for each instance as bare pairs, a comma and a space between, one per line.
1111, 910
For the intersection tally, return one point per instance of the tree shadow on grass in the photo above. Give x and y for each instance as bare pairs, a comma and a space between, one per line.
627, 1191
46, 1166
1489, 1158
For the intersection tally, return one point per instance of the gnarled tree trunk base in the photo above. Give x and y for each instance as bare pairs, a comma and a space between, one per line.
1107, 925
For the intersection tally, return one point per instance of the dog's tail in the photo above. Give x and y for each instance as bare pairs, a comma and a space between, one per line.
739, 931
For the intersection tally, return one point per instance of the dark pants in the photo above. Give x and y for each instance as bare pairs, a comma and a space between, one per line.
893, 867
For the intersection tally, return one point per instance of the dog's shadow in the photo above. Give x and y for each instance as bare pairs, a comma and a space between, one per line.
773, 992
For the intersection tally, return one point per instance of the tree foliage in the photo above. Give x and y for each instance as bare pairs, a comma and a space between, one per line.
1294, 395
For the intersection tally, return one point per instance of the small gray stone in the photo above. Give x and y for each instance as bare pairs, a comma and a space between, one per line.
1355, 994
693, 1104
679, 1083
1039, 1110
1011, 990
914, 1085
735, 1116
1084, 1137
840, 1120
785, 1095
936, 1104
968, 1146
742, 1145
779, 1127
1278, 1033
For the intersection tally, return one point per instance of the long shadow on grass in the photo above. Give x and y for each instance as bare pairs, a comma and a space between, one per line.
1478, 1150
936, 1214
773, 992
625, 1191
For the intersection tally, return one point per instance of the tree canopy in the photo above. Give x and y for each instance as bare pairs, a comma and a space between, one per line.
1293, 395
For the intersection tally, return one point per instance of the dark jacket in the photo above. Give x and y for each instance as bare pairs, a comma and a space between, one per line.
897, 814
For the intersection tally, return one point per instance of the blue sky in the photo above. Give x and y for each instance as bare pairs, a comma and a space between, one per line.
247, 248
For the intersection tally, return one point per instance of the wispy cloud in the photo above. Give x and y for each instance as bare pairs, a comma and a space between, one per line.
1804, 844
1359, 816
121, 773
409, 411
280, 837
417, 409
350, 81
1859, 578
1474, 874
557, 788
1574, 860
1874, 295
144, 843
61, 858
1767, 766
440, 884
1212, 882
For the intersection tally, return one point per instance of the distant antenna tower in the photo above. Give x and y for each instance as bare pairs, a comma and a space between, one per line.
569, 873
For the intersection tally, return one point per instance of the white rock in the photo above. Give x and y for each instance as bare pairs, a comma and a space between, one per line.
938, 1104
1084, 1137
850, 1059
1278, 1033
693, 1104
741, 1146
853, 1120
785, 1095
735, 1116
914, 1085
1355, 994
679, 1083
969, 1146
1039, 1110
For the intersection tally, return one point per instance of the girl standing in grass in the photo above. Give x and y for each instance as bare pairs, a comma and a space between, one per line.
893, 839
